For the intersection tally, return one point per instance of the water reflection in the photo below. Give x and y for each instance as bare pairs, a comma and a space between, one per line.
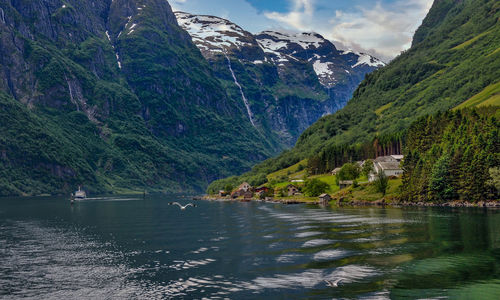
127, 248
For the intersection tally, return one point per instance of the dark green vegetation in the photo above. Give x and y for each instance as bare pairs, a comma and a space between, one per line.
314, 187
349, 171
449, 157
381, 183
454, 59
70, 115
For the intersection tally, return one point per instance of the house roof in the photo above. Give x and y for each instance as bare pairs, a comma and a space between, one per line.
384, 159
346, 182
324, 195
389, 165
243, 184
389, 158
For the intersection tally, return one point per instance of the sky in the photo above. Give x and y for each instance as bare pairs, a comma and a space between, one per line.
382, 28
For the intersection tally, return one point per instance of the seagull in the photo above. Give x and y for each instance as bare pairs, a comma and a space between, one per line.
333, 283
180, 206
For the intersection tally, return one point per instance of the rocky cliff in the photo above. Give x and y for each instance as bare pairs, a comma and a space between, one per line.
115, 96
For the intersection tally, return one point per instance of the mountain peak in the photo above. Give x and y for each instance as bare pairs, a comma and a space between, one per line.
285, 49
214, 34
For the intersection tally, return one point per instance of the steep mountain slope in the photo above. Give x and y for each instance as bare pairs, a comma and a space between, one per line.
454, 59
286, 80
112, 95
450, 63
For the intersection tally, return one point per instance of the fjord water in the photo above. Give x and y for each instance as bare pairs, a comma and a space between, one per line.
130, 248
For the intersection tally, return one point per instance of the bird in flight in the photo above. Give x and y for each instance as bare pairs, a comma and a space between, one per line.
333, 283
180, 206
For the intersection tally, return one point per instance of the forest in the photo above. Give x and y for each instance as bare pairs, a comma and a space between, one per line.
452, 156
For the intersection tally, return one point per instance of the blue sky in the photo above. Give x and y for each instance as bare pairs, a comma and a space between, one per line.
382, 28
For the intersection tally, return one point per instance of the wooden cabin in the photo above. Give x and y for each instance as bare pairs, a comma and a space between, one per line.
324, 199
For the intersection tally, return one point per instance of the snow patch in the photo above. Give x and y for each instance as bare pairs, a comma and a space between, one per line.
118, 60
306, 40
212, 32
365, 59
322, 68
131, 29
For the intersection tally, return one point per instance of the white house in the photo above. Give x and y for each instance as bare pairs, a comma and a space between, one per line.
245, 187
390, 165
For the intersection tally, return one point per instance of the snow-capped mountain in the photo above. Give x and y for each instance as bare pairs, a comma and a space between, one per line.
330, 65
215, 36
284, 81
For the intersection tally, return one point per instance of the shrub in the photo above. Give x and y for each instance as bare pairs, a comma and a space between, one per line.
381, 182
315, 187
367, 167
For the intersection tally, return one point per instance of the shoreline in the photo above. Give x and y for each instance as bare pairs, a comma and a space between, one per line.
360, 203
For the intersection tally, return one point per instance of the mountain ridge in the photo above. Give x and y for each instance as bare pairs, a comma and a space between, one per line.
289, 80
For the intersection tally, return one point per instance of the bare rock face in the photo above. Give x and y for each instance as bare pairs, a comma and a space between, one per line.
289, 79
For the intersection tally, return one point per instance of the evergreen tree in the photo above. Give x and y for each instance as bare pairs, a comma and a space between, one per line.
440, 185
381, 183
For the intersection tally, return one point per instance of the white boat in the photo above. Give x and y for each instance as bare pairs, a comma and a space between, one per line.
80, 195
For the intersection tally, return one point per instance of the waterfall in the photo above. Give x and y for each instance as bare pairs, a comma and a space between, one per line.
249, 111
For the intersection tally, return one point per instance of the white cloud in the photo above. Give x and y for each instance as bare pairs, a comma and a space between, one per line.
381, 29
299, 18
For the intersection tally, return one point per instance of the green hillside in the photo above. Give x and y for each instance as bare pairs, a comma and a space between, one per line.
454, 58
113, 96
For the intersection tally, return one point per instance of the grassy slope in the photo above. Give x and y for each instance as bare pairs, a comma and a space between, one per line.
489, 96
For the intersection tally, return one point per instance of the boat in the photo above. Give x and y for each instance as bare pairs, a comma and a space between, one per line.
79, 195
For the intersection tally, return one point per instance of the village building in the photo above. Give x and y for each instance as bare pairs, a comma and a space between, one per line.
264, 189
261, 192
335, 171
345, 183
292, 190
390, 165
248, 195
222, 193
324, 199
245, 187
241, 190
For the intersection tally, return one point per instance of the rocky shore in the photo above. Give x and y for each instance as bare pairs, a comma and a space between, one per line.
381, 202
